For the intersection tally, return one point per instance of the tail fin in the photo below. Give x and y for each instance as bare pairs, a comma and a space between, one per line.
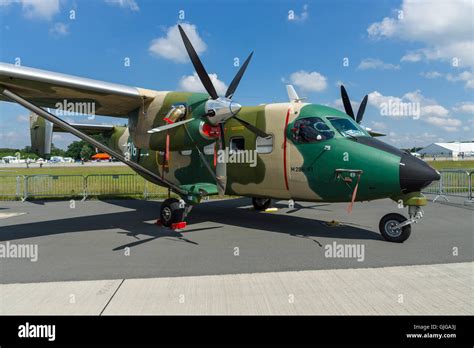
41, 131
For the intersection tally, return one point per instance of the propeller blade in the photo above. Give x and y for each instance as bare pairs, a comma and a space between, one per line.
360, 112
169, 126
235, 82
252, 128
221, 167
203, 76
346, 101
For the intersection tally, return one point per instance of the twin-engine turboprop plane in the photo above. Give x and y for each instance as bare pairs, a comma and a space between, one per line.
198, 144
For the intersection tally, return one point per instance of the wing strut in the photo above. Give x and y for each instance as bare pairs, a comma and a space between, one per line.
148, 174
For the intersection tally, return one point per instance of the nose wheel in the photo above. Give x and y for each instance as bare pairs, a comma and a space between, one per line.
397, 228
390, 229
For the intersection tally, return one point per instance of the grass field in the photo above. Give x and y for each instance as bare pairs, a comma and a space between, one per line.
76, 170
451, 164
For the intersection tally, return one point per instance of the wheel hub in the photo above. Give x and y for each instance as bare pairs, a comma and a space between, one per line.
391, 228
166, 213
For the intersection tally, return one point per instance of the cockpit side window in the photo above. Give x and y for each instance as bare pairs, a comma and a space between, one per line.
311, 130
346, 127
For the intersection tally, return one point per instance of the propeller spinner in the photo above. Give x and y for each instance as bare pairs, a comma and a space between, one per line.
219, 109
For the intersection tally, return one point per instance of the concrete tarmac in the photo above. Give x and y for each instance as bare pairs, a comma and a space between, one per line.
97, 240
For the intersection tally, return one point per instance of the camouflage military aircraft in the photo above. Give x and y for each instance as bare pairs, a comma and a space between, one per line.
199, 144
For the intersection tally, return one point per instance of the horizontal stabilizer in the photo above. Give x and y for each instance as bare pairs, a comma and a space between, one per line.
88, 128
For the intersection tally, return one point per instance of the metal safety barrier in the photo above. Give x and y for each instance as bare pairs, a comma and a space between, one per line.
53, 186
114, 184
83, 186
12, 186
456, 183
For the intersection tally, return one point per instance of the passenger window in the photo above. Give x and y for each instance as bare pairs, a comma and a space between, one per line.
311, 130
209, 149
264, 145
237, 144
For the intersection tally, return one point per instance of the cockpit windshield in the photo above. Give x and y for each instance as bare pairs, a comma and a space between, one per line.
310, 130
346, 127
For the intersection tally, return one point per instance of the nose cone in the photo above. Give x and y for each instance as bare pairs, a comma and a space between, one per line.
234, 108
415, 174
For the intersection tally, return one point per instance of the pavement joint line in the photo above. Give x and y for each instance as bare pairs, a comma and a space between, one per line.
111, 297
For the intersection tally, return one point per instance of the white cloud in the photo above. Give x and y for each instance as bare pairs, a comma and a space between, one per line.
379, 125
464, 107
339, 105
431, 74
386, 28
129, 4
171, 45
299, 17
191, 83
443, 27
412, 57
406, 140
35, 9
309, 81
23, 118
448, 124
434, 110
59, 29
373, 63
465, 76
429, 110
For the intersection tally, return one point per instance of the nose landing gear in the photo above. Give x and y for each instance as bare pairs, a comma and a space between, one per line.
397, 228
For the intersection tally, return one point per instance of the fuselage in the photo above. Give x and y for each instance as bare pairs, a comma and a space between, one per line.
315, 153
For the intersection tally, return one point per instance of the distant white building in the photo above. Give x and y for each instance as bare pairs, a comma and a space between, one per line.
454, 149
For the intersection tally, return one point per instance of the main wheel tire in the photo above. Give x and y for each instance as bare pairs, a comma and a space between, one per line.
261, 204
171, 212
392, 234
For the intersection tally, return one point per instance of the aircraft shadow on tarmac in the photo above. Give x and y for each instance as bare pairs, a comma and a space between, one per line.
223, 212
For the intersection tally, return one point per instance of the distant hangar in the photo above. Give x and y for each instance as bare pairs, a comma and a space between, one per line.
453, 149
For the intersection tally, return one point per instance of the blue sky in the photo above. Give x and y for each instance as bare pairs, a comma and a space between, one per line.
398, 52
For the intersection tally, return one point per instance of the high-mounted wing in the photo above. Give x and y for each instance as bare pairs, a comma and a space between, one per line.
46, 89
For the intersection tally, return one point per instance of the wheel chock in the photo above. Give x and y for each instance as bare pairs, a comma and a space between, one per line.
178, 225
270, 210
175, 226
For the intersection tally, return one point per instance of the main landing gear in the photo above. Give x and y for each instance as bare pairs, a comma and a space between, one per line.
173, 213
397, 228
261, 204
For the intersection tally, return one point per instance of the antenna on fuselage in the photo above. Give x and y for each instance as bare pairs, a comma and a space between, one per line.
292, 95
